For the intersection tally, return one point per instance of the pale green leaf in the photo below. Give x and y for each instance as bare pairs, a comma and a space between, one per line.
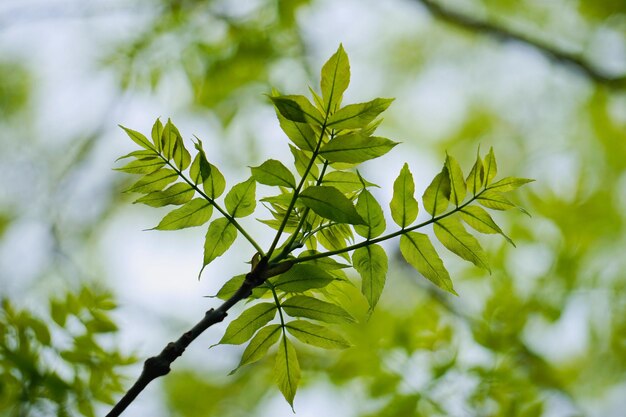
455, 238
200, 170
327, 263
481, 221
330, 203
231, 286
356, 148
458, 188
371, 263
177, 194
335, 79
312, 308
169, 138
508, 184
215, 185
259, 345
491, 168
240, 200
157, 134
316, 335
143, 153
243, 327
273, 172
346, 182
153, 182
301, 134
303, 277
144, 165
181, 155
287, 370
355, 116
219, 237
437, 195
421, 255
403, 204
195, 213
138, 138
476, 177
371, 212
301, 161
495, 200
297, 109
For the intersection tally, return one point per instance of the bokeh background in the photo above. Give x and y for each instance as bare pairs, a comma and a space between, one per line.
544, 83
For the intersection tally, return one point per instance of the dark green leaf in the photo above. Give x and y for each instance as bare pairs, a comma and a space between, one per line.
138, 138
243, 327
369, 209
437, 195
287, 370
403, 204
355, 116
273, 172
355, 148
195, 213
481, 221
335, 79
303, 277
455, 238
145, 165
240, 200
371, 264
457, 183
330, 203
259, 345
219, 238
421, 255
179, 193
312, 308
297, 109
153, 182
316, 335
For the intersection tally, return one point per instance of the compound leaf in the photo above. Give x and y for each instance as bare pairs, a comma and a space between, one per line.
195, 213
356, 148
312, 308
316, 335
240, 200
331, 204
403, 204
371, 263
455, 238
273, 172
421, 255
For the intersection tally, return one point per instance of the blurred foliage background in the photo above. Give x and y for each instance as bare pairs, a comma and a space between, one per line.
544, 83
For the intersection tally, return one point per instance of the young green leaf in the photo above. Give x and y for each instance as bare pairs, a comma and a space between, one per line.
495, 200
355, 148
219, 237
403, 204
145, 165
231, 286
508, 184
240, 200
335, 79
316, 335
195, 213
491, 168
297, 109
437, 195
458, 189
421, 255
181, 155
331, 204
371, 264
287, 370
312, 308
355, 116
346, 182
215, 185
301, 161
476, 177
169, 139
177, 194
369, 209
153, 182
243, 327
478, 218
301, 134
327, 263
303, 277
455, 238
157, 134
259, 345
273, 172
143, 153
200, 169
138, 138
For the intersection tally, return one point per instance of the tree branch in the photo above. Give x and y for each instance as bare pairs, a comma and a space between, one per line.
504, 34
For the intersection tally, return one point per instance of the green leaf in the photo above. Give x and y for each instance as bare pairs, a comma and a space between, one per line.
301, 134
220, 236
200, 170
312, 308
455, 238
316, 335
371, 264
259, 345
303, 277
476, 177
169, 138
330, 203
403, 204
231, 286
58, 312
178, 194
240, 200
181, 155
355, 116
287, 370
157, 134
138, 138
355, 148
243, 327
195, 213
458, 188
346, 182
145, 165
335, 79
508, 184
215, 185
421, 255
297, 109
153, 182
369, 209
437, 195
273, 172
495, 200
143, 153
491, 168
301, 161
327, 263
481, 221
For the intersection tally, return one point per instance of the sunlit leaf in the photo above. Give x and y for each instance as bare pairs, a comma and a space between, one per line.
181, 156
243, 327
138, 138
457, 183
177, 194
354, 116
335, 79
371, 263
297, 109
301, 161
331, 204
312, 308
231, 286
219, 237
437, 195
157, 134
259, 345
421, 255
508, 184
301, 134
241, 200
302, 277
316, 335
145, 165
495, 200
287, 370
215, 185
455, 238
153, 182
403, 204
327, 263
481, 221
200, 170
356, 148
345, 181
476, 177
195, 213
371, 212
169, 138
491, 168
273, 172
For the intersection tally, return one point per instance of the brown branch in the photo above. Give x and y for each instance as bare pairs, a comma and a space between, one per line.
159, 365
504, 34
